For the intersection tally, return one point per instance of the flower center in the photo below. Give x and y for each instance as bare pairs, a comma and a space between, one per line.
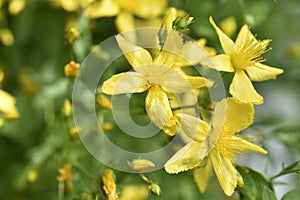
249, 52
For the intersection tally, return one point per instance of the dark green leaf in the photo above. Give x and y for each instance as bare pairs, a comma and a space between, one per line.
254, 184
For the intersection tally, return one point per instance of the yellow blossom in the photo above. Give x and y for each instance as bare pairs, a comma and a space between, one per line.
218, 143
155, 75
65, 175
67, 108
134, 192
244, 59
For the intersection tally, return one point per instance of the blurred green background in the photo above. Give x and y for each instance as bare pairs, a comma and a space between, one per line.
34, 146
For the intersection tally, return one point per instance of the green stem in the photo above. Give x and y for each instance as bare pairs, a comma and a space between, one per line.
285, 172
61, 190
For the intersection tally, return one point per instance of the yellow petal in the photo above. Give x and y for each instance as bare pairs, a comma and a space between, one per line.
184, 159
201, 176
135, 55
175, 82
143, 8
158, 109
125, 22
225, 172
168, 19
220, 62
213, 136
193, 127
103, 8
226, 42
123, 83
244, 35
242, 89
235, 120
197, 81
261, 72
193, 53
237, 144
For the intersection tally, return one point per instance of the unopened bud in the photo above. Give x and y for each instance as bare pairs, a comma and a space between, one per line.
155, 189
71, 69
72, 35
67, 108
182, 23
103, 102
141, 164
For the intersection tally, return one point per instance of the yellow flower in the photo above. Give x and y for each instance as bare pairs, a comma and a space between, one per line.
109, 185
124, 10
244, 59
155, 75
7, 105
66, 176
218, 143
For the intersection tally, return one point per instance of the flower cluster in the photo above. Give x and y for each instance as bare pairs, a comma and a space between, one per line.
210, 144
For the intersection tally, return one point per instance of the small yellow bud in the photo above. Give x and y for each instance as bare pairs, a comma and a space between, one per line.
67, 108
75, 131
107, 126
103, 102
72, 35
32, 176
141, 164
71, 69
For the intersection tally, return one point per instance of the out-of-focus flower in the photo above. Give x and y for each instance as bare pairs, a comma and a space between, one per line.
134, 192
218, 142
244, 59
71, 69
72, 34
7, 105
124, 10
32, 176
106, 126
211, 51
109, 185
65, 175
228, 25
6, 37
16, 6
75, 131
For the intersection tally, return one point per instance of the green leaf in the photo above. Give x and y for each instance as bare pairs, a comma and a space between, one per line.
292, 195
254, 184
268, 194
291, 166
